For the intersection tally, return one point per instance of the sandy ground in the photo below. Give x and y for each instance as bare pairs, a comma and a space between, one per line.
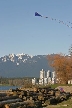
66, 88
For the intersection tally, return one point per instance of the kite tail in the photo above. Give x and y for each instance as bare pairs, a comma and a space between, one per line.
57, 20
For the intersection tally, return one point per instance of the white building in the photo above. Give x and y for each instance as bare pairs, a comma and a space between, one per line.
45, 80
53, 80
48, 74
41, 81
42, 74
69, 82
49, 80
34, 81
53, 74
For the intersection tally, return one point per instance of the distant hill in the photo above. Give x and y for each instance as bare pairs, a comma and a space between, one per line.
23, 65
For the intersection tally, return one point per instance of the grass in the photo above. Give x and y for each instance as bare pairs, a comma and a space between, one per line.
56, 85
64, 104
68, 103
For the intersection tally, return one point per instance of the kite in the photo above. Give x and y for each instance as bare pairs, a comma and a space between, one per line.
57, 20
37, 14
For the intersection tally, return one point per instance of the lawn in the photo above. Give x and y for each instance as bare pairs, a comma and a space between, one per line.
56, 85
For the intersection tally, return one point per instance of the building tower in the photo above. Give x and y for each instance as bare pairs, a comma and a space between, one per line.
42, 74
48, 74
53, 77
53, 74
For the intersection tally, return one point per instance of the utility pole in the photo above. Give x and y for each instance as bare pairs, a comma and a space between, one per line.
70, 50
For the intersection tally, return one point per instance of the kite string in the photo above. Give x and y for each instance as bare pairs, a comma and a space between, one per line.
57, 20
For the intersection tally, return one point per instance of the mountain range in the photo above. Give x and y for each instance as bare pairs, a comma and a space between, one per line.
23, 65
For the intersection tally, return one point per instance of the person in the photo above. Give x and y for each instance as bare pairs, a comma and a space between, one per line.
61, 89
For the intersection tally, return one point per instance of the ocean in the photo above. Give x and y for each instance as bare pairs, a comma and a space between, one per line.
8, 87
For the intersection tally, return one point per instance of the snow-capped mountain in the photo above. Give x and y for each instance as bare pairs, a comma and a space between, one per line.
21, 65
16, 58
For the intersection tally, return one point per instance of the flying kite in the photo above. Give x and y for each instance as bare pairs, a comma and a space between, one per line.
57, 20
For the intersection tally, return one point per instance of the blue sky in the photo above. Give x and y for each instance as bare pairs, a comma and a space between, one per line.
22, 32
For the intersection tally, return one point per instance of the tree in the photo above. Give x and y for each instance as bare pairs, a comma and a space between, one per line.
62, 65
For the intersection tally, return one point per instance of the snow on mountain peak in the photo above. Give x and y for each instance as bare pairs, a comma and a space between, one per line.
21, 54
17, 58
11, 55
31, 56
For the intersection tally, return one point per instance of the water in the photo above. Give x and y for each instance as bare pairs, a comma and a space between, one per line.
8, 87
